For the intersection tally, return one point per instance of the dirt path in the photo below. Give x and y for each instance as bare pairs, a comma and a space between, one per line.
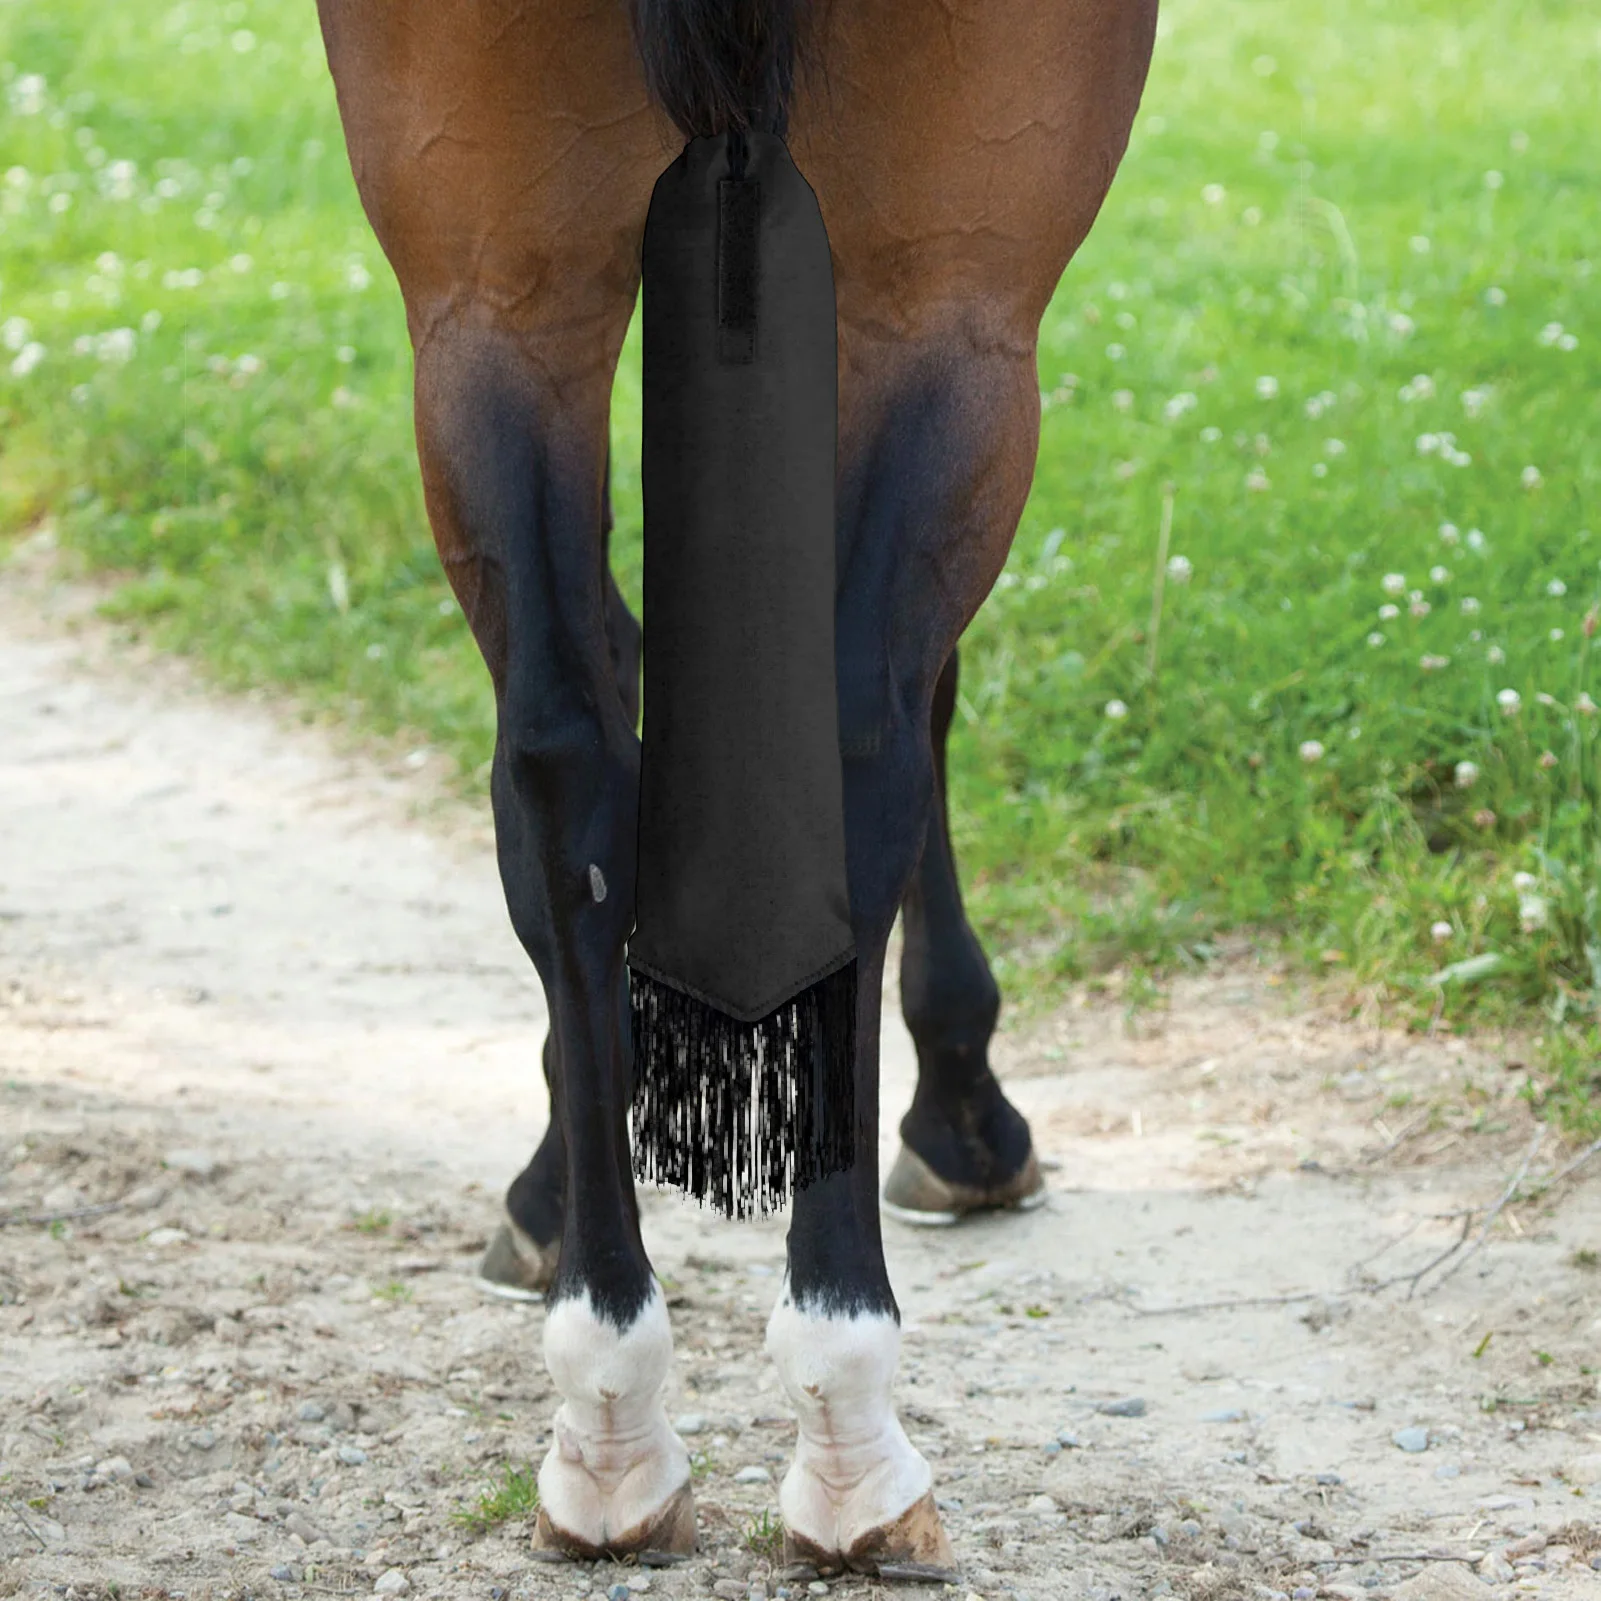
279, 1019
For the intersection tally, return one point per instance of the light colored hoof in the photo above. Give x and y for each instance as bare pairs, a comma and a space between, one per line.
914, 1193
913, 1546
667, 1532
515, 1267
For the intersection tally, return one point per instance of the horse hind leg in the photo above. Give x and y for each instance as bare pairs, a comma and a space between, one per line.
964, 1146
520, 1261
512, 480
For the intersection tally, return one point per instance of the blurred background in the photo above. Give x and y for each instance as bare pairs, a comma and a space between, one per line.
1296, 642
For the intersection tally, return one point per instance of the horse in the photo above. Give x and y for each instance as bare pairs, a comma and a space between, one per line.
505, 153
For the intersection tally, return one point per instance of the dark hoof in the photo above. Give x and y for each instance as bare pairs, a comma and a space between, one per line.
666, 1534
915, 1546
915, 1193
515, 1267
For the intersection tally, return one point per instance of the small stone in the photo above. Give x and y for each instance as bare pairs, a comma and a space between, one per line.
165, 1236
1448, 1470
1414, 1438
118, 1468
1227, 1414
394, 1582
1495, 1569
638, 1583
202, 1439
311, 1412
1327, 1478
1067, 1439
144, 1481
1303, 1592
1040, 1503
728, 1590
690, 1423
196, 1163
352, 1455
240, 1528
1584, 1469
618, 1592
754, 1474
817, 1587
285, 1572
1131, 1406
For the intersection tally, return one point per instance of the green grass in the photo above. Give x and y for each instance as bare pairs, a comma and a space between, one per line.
1339, 239
515, 1494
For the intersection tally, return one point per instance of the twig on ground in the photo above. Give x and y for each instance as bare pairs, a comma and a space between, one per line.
17, 1218
1496, 1210
1573, 1167
27, 1522
1408, 1129
1459, 1250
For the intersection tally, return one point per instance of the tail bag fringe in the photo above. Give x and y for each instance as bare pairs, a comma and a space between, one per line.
738, 1114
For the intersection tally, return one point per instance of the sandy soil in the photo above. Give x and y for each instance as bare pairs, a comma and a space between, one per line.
259, 998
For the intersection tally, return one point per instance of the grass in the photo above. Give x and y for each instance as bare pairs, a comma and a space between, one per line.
515, 1494
1335, 325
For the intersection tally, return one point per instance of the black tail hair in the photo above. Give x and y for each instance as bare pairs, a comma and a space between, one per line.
718, 65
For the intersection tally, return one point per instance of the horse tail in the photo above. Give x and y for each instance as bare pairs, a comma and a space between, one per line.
718, 66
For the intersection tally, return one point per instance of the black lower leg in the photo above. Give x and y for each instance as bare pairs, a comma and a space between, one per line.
960, 1123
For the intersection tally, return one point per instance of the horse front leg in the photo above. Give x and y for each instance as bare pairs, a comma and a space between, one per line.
936, 454
513, 482
964, 1146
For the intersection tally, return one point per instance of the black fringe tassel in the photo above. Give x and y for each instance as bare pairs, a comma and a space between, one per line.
737, 1114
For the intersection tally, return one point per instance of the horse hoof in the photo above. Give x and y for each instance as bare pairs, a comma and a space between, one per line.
915, 1193
667, 1532
912, 1546
516, 1267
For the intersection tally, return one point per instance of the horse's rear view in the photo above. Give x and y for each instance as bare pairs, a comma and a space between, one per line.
506, 152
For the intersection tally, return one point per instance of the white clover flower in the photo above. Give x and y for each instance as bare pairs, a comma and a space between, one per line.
1583, 705
1333, 447
1510, 702
1210, 434
1419, 607
1393, 583
243, 41
1311, 751
1440, 932
1545, 699
1257, 481
1556, 589
1531, 478
1420, 244
1449, 534
1123, 399
28, 95
1434, 664
1267, 387
1495, 656
241, 263
1252, 216
248, 365
1476, 541
1548, 760
1320, 469
357, 277
1532, 913
1466, 774
1557, 636
1401, 325
1439, 575
1470, 606
1428, 444
1550, 333
1493, 179
1214, 194
1115, 351
1474, 401
1495, 296
117, 345
27, 359
1178, 405
1388, 612
1116, 710
1525, 883
1375, 639
15, 332
150, 322
1179, 569
1568, 342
